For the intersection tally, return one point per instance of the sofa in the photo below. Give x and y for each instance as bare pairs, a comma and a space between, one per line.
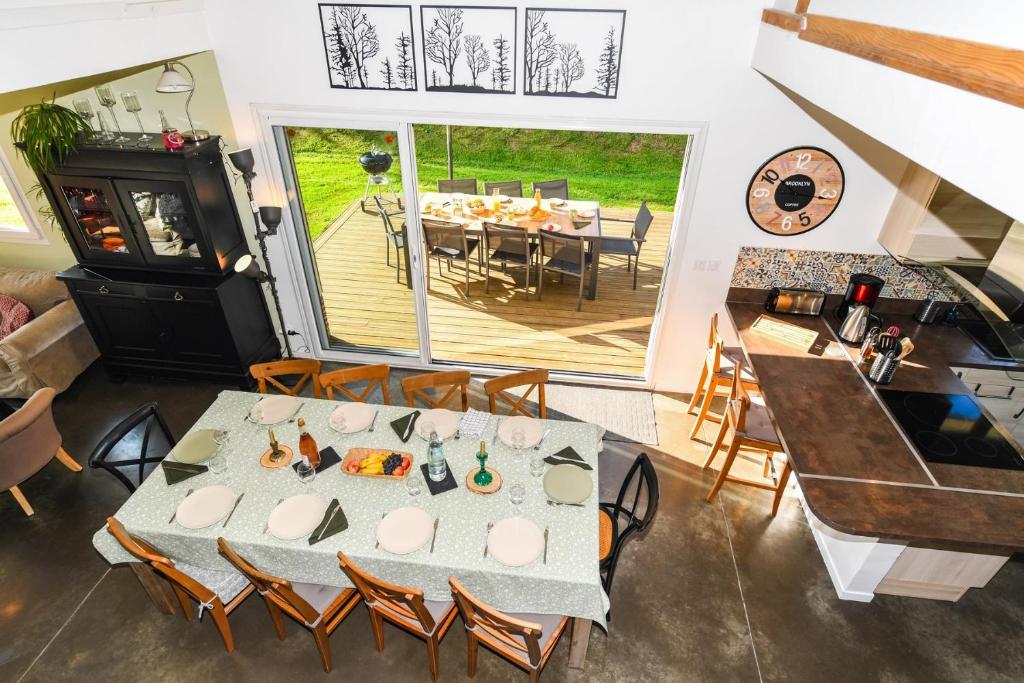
53, 348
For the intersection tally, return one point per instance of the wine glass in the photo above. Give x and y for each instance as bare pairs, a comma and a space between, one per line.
104, 131
105, 94
84, 109
537, 466
132, 105
306, 472
218, 464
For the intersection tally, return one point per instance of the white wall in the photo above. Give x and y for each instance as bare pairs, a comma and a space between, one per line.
682, 62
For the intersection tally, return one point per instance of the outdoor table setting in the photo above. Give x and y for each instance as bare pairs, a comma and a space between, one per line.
523, 540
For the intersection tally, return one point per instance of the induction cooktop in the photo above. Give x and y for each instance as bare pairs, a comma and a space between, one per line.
951, 429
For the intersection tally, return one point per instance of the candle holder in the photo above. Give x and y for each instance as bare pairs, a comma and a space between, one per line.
105, 94
130, 98
104, 131
84, 109
483, 478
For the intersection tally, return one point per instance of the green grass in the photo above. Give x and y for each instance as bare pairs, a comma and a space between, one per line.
615, 169
9, 214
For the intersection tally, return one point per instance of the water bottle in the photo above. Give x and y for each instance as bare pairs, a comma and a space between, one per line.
437, 468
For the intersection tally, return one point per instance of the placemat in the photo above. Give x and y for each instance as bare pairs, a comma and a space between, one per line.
328, 458
436, 487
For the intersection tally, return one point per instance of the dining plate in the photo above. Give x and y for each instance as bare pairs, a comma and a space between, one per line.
443, 421
204, 507
197, 446
556, 201
551, 227
296, 517
273, 409
404, 530
585, 214
568, 484
515, 541
532, 430
356, 417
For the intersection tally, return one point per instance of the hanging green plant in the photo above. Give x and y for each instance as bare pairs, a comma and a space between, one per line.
45, 133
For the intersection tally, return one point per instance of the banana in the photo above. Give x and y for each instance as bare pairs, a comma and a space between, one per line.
373, 468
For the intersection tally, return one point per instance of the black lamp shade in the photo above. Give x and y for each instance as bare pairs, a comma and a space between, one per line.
247, 266
243, 160
271, 217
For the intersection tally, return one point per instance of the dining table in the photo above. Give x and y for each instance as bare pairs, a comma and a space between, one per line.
565, 582
572, 217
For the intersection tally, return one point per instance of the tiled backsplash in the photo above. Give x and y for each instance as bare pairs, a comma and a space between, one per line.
762, 268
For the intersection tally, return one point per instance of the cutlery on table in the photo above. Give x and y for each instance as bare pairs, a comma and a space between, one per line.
295, 416
382, 516
176, 509
408, 429
328, 525
233, 508
266, 527
541, 442
556, 504
458, 434
545, 545
374, 420
434, 536
494, 437
490, 525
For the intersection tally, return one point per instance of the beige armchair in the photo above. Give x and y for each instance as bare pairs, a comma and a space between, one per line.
28, 440
52, 349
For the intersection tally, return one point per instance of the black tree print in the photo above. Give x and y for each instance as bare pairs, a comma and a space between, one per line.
356, 40
441, 43
608, 65
404, 70
387, 74
570, 66
540, 50
472, 48
359, 37
478, 59
573, 52
501, 75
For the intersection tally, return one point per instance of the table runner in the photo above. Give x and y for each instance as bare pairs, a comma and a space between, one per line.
569, 584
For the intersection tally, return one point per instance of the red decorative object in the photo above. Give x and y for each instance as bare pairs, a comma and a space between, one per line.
173, 140
13, 314
389, 139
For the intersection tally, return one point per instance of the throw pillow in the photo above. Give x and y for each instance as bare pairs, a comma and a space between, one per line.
13, 314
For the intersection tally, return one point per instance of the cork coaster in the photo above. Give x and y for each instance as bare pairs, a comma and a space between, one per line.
483, 490
269, 464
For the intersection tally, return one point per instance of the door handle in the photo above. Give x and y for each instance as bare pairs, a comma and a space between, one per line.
103, 290
178, 296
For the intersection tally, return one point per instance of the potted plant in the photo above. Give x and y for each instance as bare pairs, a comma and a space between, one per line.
377, 161
45, 133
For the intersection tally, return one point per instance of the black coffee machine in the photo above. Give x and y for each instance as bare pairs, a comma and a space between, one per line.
863, 289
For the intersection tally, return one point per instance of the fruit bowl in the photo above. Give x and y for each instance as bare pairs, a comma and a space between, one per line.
352, 463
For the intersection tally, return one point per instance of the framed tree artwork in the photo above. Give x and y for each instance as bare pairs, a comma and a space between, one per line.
369, 47
573, 52
469, 49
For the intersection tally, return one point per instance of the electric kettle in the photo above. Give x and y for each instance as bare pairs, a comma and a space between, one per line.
855, 325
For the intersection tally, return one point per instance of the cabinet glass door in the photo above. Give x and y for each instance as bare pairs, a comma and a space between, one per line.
165, 222
94, 221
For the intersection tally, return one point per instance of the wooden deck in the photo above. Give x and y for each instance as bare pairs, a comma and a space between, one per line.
367, 308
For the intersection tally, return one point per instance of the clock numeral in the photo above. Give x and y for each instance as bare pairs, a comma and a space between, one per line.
787, 223
761, 192
770, 176
829, 193
802, 160
805, 220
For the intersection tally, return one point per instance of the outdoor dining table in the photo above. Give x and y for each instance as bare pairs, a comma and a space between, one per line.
562, 216
567, 583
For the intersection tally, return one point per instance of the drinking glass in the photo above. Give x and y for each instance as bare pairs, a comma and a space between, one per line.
537, 466
218, 464
306, 472
105, 94
133, 106
84, 109
104, 131
414, 482
518, 438
517, 493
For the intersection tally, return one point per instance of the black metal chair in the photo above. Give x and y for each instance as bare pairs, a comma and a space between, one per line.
629, 246
633, 509
394, 237
566, 255
463, 185
508, 244
553, 189
115, 450
448, 242
512, 188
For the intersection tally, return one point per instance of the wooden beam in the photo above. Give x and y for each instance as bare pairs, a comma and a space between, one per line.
784, 20
988, 70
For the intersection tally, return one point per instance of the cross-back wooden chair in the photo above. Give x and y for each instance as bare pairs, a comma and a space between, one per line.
428, 620
267, 374
751, 428
526, 640
535, 380
456, 382
318, 608
219, 592
373, 375
717, 374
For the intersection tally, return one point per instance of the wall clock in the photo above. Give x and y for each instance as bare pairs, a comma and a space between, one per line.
795, 191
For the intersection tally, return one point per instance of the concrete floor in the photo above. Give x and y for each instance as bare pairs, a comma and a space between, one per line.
714, 592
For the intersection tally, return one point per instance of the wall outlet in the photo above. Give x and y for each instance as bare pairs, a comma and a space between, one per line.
700, 264
713, 266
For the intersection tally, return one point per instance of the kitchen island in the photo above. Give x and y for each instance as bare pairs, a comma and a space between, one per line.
885, 520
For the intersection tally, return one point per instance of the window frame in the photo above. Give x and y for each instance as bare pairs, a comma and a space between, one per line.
34, 234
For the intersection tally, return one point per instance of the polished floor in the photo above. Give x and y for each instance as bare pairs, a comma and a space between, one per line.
714, 592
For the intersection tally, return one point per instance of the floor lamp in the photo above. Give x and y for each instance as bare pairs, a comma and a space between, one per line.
267, 219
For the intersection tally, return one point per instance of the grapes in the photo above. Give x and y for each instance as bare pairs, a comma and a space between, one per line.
392, 462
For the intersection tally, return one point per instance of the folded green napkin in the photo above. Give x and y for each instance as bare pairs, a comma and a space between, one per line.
332, 523
179, 471
568, 453
405, 425
552, 460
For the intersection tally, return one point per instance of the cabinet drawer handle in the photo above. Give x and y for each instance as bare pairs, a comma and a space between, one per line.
103, 289
178, 296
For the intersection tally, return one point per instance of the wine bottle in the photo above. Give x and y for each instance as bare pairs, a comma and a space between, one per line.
307, 444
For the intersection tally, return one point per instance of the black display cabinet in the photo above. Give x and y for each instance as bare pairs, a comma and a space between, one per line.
156, 234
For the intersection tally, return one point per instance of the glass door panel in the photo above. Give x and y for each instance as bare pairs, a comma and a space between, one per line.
165, 222
345, 187
89, 207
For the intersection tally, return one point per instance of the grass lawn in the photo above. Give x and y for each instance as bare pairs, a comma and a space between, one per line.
616, 169
9, 214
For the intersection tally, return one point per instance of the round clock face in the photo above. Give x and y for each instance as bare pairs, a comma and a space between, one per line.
795, 191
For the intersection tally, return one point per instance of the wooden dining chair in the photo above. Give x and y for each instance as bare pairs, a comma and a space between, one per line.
534, 380
219, 592
750, 427
406, 608
511, 188
715, 376
565, 255
144, 432
455, 381
28, 441
553, 189
268, 374
373, 375
730, 354
526, 640
320, 609
631, 513
508, 244
463, 185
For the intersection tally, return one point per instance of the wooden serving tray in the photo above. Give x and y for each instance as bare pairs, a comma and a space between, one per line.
358, 454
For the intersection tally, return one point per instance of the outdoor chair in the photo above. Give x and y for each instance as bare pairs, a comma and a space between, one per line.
629, 246
511, 188
566, 255
553, 189
507, 244
394, 237
463, 185
448, 242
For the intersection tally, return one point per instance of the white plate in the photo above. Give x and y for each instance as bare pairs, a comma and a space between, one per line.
444, 421
404, 530
515, 542
533, 430
551, 227
568, 484
585, 214
197, 447
296, 517
504, 198
358, 416
204, 507
555, 201
273, 409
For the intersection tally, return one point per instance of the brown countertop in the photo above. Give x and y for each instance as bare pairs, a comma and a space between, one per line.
857, 471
